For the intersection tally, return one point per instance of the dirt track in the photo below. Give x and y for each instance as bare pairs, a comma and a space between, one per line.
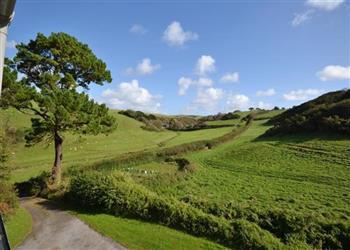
54, 229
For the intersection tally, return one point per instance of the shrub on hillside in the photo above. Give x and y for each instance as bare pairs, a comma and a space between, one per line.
327, 113
221, 116
118, 194
184, 165
177, 123
8, 198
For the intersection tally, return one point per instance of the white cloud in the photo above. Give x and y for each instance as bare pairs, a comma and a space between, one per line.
205, 64
204, 82
301, 94
230, 77
268, 92
333, 73
174, 35
325, 4
208, 98
263, 105
11, 44
130, 95
144, 67
237, 102
185, 83
300, 18
138, 29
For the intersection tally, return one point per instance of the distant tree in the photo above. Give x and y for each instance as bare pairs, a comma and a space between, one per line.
251, 108
56, 70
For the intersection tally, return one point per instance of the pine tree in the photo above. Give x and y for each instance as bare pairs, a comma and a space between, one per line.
56, 70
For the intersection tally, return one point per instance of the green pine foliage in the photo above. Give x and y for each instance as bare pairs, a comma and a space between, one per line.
56, 68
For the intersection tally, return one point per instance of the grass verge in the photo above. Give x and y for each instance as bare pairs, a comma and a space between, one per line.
136, 234
18, 226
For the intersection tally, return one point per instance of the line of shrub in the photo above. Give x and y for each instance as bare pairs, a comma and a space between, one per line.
146, 156
202, 126
117, 194
203, 144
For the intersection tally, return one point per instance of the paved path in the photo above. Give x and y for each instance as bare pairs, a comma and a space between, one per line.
54, 229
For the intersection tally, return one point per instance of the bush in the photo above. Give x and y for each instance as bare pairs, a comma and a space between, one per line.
221, 116
182, 163
8, 198
118, 194
185, 165
327, 113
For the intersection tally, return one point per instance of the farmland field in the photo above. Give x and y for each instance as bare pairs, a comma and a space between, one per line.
129, 137
298, 173
282, 180
304, 176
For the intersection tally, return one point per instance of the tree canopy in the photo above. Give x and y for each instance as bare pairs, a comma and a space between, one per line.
57, 70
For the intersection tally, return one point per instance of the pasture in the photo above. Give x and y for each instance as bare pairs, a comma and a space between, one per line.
82, 150
292, 187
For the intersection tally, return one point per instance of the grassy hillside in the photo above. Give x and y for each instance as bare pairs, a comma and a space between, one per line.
297, 183
129, 137
327, 113
286, 173
281, 191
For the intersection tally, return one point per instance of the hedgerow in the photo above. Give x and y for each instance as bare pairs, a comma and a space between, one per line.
117, 194
145, 156
289, 226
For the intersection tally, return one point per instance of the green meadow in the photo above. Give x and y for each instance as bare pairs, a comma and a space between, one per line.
291, 187
79, 150
303, 177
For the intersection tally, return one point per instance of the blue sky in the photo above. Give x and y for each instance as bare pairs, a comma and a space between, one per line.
202, 56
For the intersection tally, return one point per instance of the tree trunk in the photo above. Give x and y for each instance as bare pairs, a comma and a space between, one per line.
56, 169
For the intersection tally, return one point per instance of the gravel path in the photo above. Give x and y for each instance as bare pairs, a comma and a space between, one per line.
54, 229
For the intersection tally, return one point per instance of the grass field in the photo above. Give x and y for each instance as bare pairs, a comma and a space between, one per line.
305, 175
128, 137
18, 226
142, 235
297, 173
300, 175
189, 136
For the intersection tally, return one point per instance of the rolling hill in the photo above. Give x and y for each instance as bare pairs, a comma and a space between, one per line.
253, 191
79, 150
327, 113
